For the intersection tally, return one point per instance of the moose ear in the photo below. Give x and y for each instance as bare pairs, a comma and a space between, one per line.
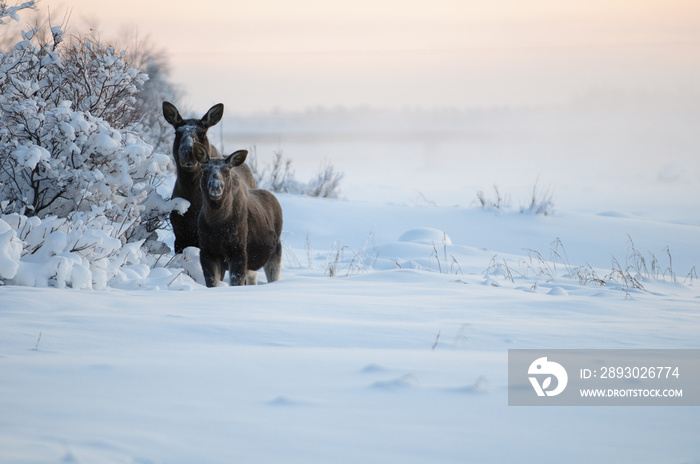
237, 158
213, 116
172, 115
200, 153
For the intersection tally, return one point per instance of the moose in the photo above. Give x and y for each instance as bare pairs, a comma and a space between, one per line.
239, 227
187, 133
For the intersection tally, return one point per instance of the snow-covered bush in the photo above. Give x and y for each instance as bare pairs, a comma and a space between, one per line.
278, 176
84, 251
79, 198
539, 202
81, 251
68, 135
10, 251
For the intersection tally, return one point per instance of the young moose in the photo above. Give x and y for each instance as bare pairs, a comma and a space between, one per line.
187, 133
238, 227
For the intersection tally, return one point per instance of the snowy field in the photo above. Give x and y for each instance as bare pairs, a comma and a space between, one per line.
386, 339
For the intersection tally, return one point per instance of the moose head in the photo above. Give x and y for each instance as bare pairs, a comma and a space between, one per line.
218, 176
190, 131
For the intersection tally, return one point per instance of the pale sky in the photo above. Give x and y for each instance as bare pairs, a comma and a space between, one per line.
264, 54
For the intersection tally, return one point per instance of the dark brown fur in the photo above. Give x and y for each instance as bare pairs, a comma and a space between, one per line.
239, 228
189, 170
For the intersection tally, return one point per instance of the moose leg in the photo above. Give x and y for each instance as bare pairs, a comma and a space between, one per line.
212, 268
251, 278
176, 220
273, 266
185, 231
238, 268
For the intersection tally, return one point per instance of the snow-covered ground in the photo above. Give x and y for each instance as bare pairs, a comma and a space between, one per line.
385, 341
399, 358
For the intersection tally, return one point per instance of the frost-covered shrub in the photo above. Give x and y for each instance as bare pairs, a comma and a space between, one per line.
79, 185
10, 251
68, 135
85, 251
82, 251
278, 176
540, 202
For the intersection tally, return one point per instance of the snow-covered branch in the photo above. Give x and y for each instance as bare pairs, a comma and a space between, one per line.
12, 11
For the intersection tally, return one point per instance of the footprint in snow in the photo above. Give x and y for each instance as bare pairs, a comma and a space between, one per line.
403, 382
373, 369
285, 401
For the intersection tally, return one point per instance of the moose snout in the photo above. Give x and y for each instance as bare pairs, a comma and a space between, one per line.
215, 188
187, 160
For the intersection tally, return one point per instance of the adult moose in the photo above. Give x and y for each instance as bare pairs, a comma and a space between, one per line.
239, 228
187, 133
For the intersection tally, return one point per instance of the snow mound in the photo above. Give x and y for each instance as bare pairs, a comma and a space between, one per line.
425, 235
558, 291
